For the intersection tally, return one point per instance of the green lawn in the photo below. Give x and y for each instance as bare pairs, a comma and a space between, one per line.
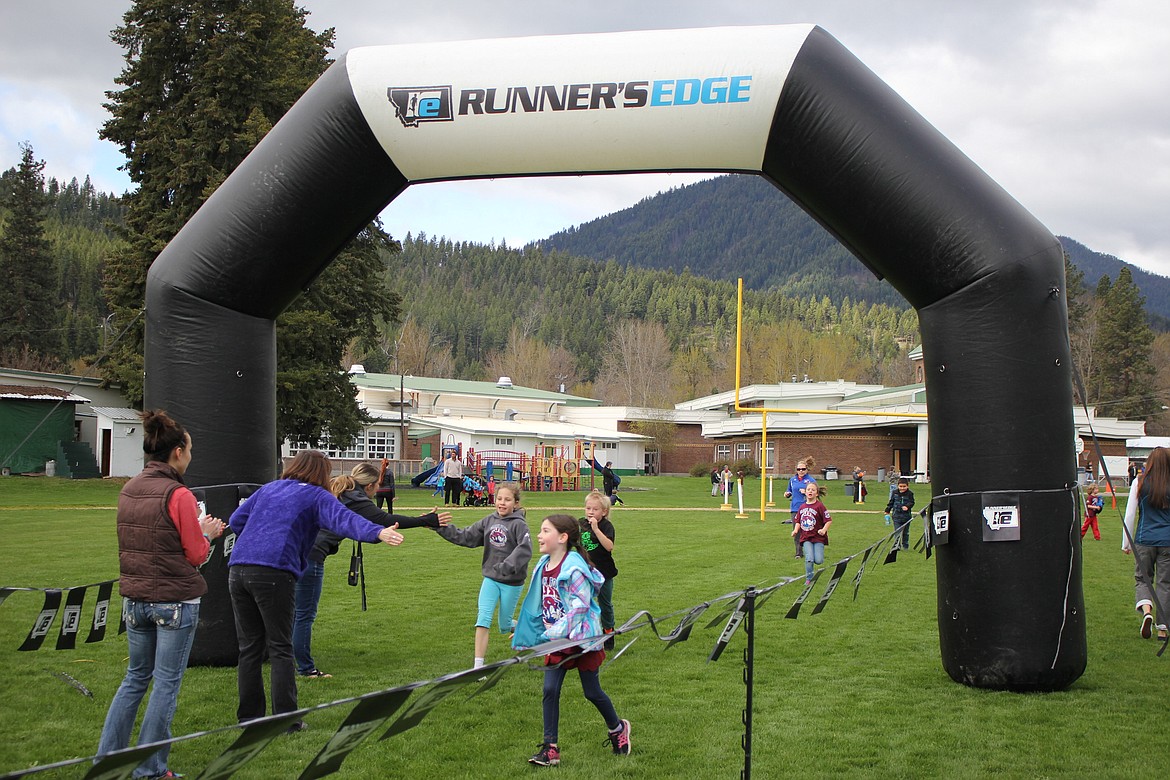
857, 689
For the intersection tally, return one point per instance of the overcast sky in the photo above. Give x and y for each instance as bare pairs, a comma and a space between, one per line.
1066, 103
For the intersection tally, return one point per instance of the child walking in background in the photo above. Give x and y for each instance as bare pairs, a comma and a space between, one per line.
597, 539
562, 604
795, 492
1093, 506
898, 511
812, 529
507, 549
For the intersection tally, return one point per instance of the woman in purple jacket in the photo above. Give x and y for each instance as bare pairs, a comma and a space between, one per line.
275, 530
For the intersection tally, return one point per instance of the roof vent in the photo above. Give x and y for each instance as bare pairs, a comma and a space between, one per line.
446, 412
509, 414
357, 368
504, 383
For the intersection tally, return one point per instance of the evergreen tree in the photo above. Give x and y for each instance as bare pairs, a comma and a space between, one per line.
28, 317
1124, 371
204, 81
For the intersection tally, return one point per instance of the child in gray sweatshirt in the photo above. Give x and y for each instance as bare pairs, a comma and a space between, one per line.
507, 550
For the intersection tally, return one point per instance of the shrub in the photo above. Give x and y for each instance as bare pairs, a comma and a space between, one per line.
702, 470
749, 468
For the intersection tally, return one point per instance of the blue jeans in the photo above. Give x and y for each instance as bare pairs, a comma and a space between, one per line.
160, 635
492, 593
307, 597
554, 678
605, 601
262, 600
814, 554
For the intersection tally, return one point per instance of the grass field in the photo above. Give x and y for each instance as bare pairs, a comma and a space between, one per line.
858, 689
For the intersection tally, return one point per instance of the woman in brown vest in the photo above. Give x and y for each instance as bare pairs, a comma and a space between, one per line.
162, 541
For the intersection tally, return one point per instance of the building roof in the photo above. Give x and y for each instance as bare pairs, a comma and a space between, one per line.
426, 384
39, 393
540, 429
117, 414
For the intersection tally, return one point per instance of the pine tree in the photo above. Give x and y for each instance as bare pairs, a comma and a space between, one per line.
28, 317
1124, 371
204, 81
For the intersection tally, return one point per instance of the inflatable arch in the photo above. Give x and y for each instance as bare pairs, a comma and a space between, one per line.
788, 103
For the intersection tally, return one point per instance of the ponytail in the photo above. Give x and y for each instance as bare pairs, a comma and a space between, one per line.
161, 434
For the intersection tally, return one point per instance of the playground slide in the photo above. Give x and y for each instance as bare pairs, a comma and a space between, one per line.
421, 478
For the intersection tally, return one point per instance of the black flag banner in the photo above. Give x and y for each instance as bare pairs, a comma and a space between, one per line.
44, 621
71, 614
366, 718
435, 692
101, 613
71, 619
838, 573
258, 734
405, 706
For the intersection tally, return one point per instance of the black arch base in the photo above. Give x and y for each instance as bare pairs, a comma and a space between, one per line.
985, 276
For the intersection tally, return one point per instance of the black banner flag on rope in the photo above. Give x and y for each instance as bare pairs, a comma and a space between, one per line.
71, 619
838, 573
257, 736
366, 718
413, 702
101, 613
44, 621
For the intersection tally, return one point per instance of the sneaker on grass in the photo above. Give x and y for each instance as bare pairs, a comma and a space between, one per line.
547, 755
620, 741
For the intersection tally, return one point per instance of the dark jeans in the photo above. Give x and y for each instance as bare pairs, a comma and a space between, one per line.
554, 678
262, 600
308, 595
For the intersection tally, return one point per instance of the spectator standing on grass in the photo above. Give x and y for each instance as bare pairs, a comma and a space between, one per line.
275, 529
597, 539
452, 479
385, 489
898, 512
714, 481
726, 481
795, 492
812, 530
1147, 520
1093, 506
562, 604
507, 549
859, 490
162, 542
354, 491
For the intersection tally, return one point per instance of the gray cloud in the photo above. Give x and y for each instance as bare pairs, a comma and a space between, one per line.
1061, 101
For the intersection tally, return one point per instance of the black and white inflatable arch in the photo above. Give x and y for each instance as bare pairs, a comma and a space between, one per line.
788, 103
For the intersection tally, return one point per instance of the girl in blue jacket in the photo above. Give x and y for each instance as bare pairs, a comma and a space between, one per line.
562, 604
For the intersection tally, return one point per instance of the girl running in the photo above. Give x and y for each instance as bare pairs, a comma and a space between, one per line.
562, 604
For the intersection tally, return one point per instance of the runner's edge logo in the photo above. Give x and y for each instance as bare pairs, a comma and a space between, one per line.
416, 105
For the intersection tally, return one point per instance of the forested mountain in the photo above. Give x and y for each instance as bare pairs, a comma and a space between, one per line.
741, 225
472, 300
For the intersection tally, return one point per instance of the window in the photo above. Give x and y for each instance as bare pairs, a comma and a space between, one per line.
503, 442
381, 444
723, 452
771, 459
374, 445
743, 450
605, 445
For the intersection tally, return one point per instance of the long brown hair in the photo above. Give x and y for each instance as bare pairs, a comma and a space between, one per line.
1154, 483
564, 524
310, 466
